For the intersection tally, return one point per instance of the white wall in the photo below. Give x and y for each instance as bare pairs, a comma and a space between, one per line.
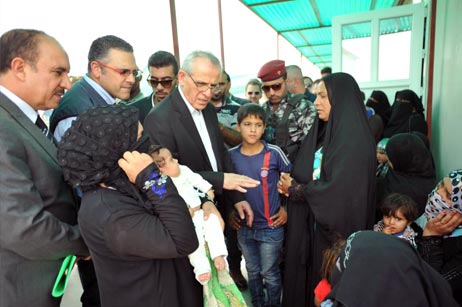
446, 137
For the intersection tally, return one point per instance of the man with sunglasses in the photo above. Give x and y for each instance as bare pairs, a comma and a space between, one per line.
226, 109
163, 71
290, 117
112, 72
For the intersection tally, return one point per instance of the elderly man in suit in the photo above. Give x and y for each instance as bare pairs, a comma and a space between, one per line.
38, 213
186, 123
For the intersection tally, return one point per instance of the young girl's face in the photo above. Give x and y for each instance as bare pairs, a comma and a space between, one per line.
251, 128
395, 223
381, 156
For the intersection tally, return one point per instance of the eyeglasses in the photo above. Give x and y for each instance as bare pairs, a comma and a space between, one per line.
202, 86
155, 82
274, 87
137, 74
253, 93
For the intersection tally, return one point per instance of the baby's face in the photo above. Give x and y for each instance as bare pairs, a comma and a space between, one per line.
381, 157
166, 164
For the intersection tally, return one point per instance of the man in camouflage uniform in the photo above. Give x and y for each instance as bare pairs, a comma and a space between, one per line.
284, 128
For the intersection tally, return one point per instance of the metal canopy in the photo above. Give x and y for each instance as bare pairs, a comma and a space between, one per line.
307, 24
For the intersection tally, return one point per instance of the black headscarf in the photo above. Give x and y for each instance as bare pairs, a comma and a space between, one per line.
342, 200
348, 164
379, 102
375, 269
406, 116
413, 172
91, 147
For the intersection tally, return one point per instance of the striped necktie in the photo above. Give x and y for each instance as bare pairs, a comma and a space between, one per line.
43, 127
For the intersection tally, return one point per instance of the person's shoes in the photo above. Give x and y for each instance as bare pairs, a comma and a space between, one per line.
239, 280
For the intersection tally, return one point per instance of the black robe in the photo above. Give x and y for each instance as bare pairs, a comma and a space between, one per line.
406, 115
375, 269
341, 201
413, 172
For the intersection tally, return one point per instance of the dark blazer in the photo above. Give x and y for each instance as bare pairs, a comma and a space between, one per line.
80, 98
144, 105
170, 124
38, 214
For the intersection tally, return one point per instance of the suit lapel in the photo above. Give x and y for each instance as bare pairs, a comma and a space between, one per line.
209, 114
187, 121
24, 122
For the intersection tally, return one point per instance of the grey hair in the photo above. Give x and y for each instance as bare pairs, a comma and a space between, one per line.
190, 58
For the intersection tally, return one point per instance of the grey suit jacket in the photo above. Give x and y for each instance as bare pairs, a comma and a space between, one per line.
38, 213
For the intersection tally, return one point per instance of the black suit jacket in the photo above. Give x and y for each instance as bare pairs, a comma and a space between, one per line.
144, 105
170, 124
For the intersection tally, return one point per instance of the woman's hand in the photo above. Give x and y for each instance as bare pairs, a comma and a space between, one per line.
132, 163
285, 182
443, 224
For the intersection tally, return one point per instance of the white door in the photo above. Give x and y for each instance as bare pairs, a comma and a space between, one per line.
383, 49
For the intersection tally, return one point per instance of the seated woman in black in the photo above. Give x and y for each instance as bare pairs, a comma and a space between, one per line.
379, 270
137, 228
411, 170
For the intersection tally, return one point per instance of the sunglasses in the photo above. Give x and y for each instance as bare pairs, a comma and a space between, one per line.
274, 87
253, 93
155, 82
137, 74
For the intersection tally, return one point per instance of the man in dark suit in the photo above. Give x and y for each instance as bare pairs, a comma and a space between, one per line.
163, 71
38, 212
112, 72
186, 123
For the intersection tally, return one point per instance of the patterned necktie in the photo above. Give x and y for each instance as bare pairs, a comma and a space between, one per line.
43, 127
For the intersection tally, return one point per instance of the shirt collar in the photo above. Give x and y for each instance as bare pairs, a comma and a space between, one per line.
190, 107
21, 104
100, 90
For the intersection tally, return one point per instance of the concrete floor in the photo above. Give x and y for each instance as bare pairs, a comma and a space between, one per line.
73, 292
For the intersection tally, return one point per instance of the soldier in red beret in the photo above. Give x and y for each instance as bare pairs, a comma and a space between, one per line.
290, 117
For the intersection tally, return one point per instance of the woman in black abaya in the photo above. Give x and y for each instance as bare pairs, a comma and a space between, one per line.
406, 115
412, 170
332, 185
375, 269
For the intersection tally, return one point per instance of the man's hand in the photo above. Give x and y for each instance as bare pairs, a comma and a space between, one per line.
443, 224
132, 163
209, 208
280, 218
238, 182
245, 211
285, 182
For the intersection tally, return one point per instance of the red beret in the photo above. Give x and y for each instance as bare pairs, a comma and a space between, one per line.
272, 70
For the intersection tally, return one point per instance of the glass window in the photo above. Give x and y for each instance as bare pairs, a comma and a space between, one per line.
395, 48
356, 50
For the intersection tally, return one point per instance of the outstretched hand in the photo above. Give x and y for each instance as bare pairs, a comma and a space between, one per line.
238, 182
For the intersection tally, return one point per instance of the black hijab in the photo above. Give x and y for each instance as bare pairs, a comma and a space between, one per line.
375, 269
348, 164
91, 147
413, 172
379, 102
341, 201
406, 114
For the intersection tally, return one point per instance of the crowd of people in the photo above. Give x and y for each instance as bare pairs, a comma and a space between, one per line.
160, 198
